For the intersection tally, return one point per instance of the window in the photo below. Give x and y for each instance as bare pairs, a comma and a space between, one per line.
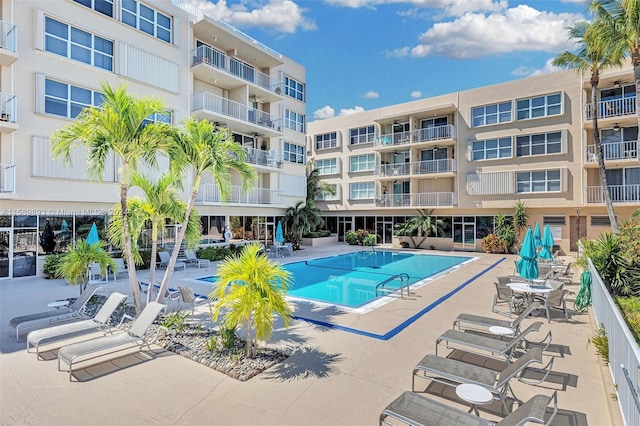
327, 167
66, 100
540, 144
293, 88
103, 6
146, 19
491, 149
491, 114
294, 121
158, 118
293, 153
554, 220
541, 106
361, 135
328, 196
79, 45
326, 141
362, 163
538, 181
362, 190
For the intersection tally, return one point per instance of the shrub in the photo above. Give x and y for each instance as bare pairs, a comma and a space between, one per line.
370, 240
360, 236
174, 321
318, 234
601, 342
630, 309
493, 244
228, 335
50, 266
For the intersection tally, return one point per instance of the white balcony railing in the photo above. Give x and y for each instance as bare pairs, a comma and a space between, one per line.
7, 178
448, 131
209, 193
614, 151
223, 106
260, 157
8, 107
618, 193
445, 165
423, 199
8, 36
611, 108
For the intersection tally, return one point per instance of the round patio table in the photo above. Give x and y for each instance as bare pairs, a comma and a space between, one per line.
474, 394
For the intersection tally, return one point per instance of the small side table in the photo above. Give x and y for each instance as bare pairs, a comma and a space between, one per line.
501, 331
475, 395
59, 304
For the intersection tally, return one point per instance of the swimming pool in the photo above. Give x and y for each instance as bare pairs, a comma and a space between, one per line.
351, 279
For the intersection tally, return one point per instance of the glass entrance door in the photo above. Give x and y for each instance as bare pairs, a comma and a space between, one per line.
5, 252
464, 233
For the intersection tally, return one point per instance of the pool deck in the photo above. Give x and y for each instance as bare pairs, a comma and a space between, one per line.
341, 374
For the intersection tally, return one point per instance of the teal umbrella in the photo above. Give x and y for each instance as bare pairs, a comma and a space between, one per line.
547, 244
528, 265
279, 237
537, 236
93, 237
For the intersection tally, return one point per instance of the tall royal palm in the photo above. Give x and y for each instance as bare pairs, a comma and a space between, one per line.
593, 56
119, 125
205, 149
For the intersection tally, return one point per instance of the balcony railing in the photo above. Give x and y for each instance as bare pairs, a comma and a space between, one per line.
260, 157
611, 108
614, 151
216, 59
447, 131
445, 165
7, 178
618, 193
8, 107
423, 199
8, 36
223, 106
210, 194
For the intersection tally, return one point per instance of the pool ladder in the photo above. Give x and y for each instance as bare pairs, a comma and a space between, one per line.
403, 277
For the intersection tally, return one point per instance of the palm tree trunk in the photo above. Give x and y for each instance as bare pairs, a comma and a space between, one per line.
152, 265
128, 252
249, 339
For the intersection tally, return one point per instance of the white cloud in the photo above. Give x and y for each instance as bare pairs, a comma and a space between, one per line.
281, 15
348, 111
474, 35
548, 68
372, 95
447, 7
416, 94
324, 113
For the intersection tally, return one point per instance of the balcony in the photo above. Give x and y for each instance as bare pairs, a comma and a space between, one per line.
8, 43
418, 168
7, 178
419, 136
618, 193
210, 194
262, 159
423, 199
229, 73
238, 117
8, 113
612, 108
617, 151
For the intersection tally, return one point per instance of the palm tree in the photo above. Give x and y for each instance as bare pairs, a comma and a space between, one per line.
304, 217
422, 225
203, 148
593, 56
161, 203
251, 288
119, 125
74, 265
315, 185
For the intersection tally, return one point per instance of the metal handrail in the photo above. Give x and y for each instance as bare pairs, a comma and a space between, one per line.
402, 276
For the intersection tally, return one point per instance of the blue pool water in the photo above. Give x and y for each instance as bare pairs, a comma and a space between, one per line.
351, 279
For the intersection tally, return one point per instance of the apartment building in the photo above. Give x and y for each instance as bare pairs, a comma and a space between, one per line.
53, 57
469, 155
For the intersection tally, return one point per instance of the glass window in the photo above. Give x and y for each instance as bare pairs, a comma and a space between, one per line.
539, 144
327, 167
294, 121
146, 19
66, 100
538, 181
540, 106
326, 196
491, 149
293, 153
362, 163
293, 88
82, 46
361, 135
491, 114
362, 190
103, 6
327, 140
158, 118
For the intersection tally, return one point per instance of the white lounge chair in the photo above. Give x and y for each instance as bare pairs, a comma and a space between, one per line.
479, 322
112, 343
165, 257
73, 312
120, 268
193, 259
99, 322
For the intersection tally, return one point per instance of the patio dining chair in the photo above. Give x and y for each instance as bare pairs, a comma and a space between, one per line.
555, 299
504, 294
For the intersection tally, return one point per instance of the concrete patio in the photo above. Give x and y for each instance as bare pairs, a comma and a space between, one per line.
339, 376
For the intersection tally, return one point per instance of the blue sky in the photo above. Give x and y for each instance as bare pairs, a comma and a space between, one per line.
364, 54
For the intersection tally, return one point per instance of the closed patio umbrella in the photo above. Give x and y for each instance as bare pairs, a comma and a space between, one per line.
547, 243
279, 238
93, 237
528, 265
537, 236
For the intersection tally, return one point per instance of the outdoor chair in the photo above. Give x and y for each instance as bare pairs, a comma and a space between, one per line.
453, 372
554, 284
417, 410
170, 295
556, 299
504, 294
566, 275
120, 268
100, 322
165, 257
96, 276
193, 259
90, 349
73, 312
496, 346
189, 298
506, 279
475, 322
